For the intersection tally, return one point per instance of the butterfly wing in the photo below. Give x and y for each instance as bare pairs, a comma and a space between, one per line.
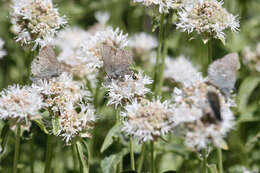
45, 65
108, 54
124, 59
214, 103
116, 61
222, 72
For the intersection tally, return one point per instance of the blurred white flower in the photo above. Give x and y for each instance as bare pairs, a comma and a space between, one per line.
208, 18
21, 103
180, 4
74, 123
36, 21
102, 18
182, 70
2, 51
142, 43
147, 120
120, 92
69, 41
193, 109
163, 5
252, 58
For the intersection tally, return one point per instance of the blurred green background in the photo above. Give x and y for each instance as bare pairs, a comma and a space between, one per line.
243, 141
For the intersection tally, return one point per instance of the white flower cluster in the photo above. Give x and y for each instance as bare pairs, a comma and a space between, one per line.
163, 5
91, 47
21, 103
74, 123
69, 41
193, 109
36, 21
142, 43
147, 120
2, 51
252, 59
182, 70
120, 92
61, 91
208, 18
64, 96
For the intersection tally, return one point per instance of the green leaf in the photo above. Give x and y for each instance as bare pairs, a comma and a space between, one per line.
245, 90
113, 133
213, 168
170, 172
108, 164
83, 156
55, 125
4, 137
223, 40
40, 123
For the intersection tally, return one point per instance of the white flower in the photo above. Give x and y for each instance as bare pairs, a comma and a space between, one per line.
91, 47
182, 70
36, 21
69, 41
208, 18
73, 123
193, 109
252, 58
2, 51
22, 103
147, 120
142, 43
69, 101
112, 37
120, 92
61, 91
102, 17
163, 5
180, 4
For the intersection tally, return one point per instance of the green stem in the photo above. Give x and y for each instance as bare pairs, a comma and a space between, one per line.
220, 163
118, 115
204, 161
164, 54
158, 56
32, 153
210, 59
152, 156
74, 155
17, 148
119, 167
48, 156
132, 154
84, 167
141, 159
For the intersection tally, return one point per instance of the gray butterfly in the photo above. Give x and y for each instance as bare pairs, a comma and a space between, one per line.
45, 65
116, 62
222, 72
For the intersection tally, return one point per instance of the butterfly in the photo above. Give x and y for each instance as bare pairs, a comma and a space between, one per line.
46, 65
222, 72
116, 62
